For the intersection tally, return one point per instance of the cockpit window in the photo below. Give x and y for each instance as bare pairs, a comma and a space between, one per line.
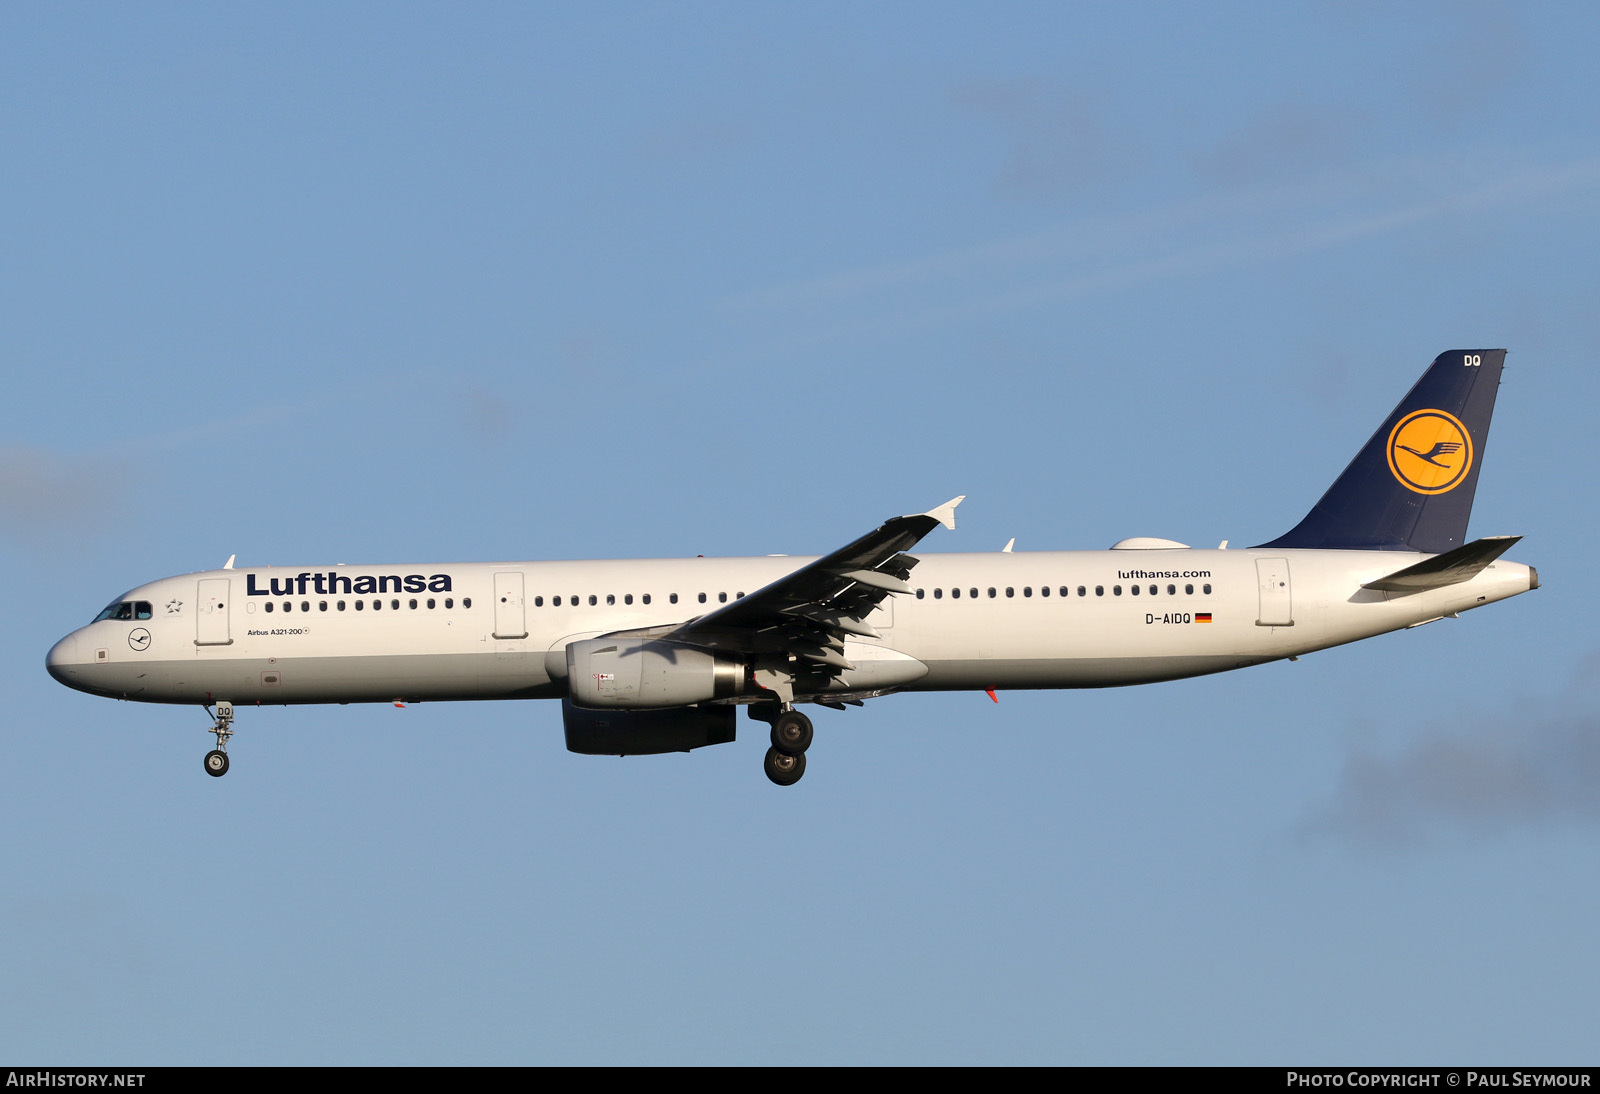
125, 609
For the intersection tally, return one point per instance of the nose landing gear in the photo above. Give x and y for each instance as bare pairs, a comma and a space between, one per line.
222, 726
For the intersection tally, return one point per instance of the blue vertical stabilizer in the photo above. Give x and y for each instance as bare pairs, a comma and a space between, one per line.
1411, 486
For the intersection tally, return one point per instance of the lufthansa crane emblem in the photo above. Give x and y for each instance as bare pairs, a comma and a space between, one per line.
139, 639
1430, 451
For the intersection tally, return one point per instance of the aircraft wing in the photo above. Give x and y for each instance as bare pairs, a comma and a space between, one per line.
807, 613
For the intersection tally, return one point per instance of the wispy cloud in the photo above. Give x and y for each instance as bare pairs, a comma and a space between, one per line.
1532, 764
1202, 236
45, 495
1059, 143
1285, 139
1482, 50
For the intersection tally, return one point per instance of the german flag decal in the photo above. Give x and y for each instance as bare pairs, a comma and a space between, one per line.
1202, 617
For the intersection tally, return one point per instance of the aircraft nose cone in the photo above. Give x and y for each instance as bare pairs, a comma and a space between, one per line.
62, 659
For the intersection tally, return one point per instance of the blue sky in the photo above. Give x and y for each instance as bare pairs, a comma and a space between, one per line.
423, 282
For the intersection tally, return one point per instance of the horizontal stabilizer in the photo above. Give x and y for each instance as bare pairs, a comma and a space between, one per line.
1450, 568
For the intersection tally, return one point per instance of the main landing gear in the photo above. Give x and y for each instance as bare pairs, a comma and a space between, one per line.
217, 758
791, 736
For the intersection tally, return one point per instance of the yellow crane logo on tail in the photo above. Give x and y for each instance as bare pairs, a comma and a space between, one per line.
1430, 452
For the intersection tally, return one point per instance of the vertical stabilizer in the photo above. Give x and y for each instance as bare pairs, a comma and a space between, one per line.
1411, 487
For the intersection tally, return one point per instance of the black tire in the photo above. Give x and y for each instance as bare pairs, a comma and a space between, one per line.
791, 733
783, 768
216, 763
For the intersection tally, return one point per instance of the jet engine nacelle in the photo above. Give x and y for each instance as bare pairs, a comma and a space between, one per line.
648, 674
646, 732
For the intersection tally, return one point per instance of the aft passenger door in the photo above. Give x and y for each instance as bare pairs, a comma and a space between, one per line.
1277, 607
509, 619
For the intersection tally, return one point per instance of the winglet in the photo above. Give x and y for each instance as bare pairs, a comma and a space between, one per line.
228, 565
946, 513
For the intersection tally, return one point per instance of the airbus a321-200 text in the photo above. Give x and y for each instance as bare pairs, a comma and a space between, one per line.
650, 656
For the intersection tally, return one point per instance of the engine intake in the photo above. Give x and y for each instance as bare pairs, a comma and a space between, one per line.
648, 674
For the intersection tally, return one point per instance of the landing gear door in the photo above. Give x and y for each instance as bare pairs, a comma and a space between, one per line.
211, 613
1277, 606
509, 620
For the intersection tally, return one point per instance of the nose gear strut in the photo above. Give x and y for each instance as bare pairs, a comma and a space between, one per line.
222, 726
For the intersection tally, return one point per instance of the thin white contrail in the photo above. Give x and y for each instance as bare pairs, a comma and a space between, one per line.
1261, 225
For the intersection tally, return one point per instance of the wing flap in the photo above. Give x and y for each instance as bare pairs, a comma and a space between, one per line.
830, 596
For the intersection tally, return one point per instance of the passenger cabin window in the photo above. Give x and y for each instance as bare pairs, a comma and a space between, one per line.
645, 598
956, 593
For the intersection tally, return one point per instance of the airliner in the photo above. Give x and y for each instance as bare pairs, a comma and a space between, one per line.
652, 656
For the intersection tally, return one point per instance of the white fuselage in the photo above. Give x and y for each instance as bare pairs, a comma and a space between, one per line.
1065, 619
